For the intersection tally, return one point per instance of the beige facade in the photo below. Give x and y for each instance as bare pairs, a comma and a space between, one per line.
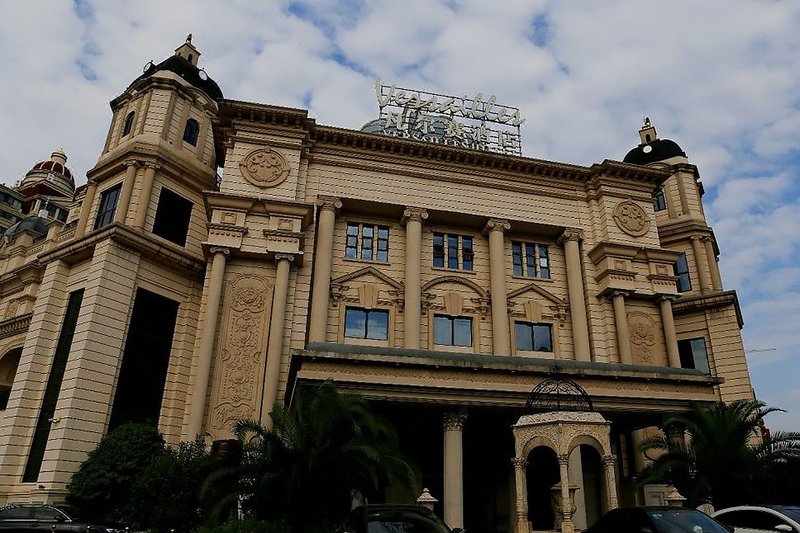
408, 272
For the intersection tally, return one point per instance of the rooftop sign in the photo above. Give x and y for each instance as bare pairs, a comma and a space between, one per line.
450, 120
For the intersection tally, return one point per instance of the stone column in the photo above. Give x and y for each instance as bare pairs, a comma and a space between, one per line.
125, 194
413, 217
670, 337
145, 192
275, 344
521, 489
453, 424
208, 334
323, 259
577, 301
621, 322
611, 481
496, 229
713, 265
701, 264
567, 525
86, 208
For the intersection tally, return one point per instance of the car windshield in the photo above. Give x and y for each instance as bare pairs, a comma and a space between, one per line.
791, 512
684, 521
403, 522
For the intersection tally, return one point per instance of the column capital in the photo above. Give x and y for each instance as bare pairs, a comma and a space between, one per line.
414, 214
519, 462
453, 421
695, 238
331, 203
609, 460
150, 164
616, 293
496, 224
284, 257
666, 297
706, 238
571, 234
219, 250
563, 459
132, 163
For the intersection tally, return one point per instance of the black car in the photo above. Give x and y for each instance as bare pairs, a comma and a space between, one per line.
44, 518
656, 520
394, 518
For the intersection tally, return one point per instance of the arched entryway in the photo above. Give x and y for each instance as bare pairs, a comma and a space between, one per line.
8, 371
541, 473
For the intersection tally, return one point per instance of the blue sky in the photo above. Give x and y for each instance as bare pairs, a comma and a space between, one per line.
721, 78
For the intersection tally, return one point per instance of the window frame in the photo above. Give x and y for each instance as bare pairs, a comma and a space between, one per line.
342, 336
158, 228
684, 281
521, 256
692, 344
127, 126
445, 244
106, 214
473, 347
191, 136
355, 247
538, 353
659, 200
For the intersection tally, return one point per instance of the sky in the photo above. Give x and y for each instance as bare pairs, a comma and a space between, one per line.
719, 77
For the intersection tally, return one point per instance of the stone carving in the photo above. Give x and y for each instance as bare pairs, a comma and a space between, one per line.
264, 168
631, 218
453, 421
496, 224
570, 234
642, 330
414, 214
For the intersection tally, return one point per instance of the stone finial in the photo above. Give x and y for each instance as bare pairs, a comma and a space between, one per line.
674, 498
426, 500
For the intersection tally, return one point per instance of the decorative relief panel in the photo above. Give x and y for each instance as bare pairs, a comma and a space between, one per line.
631, 218
242, 346
264, 168
643, 334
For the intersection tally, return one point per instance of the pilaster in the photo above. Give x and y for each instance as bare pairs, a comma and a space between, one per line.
496, 229
323, 258
577, 300
413, 218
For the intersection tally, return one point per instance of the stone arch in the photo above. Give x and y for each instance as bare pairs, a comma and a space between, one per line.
456, 279
588, 440
535, 442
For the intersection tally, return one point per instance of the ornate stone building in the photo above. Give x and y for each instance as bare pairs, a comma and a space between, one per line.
442, 283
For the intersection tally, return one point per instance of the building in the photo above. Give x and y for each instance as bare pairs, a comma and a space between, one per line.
442, 282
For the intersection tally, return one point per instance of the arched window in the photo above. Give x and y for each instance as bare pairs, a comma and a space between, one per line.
126, 129
191, 131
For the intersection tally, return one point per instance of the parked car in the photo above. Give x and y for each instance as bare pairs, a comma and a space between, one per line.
394, 518
656, 520
45, 518
760, 518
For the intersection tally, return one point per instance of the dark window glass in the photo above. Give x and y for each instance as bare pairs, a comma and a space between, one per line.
693, 354
374, 242
16, 513
682, 271
108, 205
172, 217
516, 258
191, 132
367, 233
533, 337
48, 514
62, 215
452, 251
452, 331
659, 202
126, 129
466, 252
351, 245
145, 360
671, 520
442, 330
462, 332
383, 244
366, 324
54, 380
544, 262
12, 360
523, 335
438, 250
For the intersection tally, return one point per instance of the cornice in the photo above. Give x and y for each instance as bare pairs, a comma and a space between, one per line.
716, 300
258, 204
605, 248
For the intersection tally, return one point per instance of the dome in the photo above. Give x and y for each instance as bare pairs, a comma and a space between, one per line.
52, 174
55, 164
657, 150
36, 224
186, 70
558, 393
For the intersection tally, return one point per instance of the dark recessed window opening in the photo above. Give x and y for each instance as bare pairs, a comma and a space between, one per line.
172, 217
108, 205
659, 201
451, 251
452, 330
682, 271
533, 337
145, 360
370, 324
8, 368
367, 242
126, 129
530, 259
694, 355
191, 132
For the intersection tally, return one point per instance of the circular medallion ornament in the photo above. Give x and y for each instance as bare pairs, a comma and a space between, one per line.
264, 168
631, 218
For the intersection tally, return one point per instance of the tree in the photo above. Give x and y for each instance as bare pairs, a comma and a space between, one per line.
306, 470
723, 460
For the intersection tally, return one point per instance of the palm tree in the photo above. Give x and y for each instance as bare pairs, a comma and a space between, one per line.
324, 449
724, 460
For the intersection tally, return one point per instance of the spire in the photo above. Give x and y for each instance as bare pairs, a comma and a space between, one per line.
188, 51
647, 132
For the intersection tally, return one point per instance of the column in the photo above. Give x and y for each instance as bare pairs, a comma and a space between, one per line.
611, 481
577, 301
323, 258
453, 424
497, 275
521, 489
86, 208
128, 182
207, 336
275, 344
701, 264
637, 438
566, 504
621, 322
144, 195
413, 217
713, 265
670, 337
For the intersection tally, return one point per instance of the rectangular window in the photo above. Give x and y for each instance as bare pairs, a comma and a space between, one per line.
530, 259
172, 217
659, 202
108, 205
367, 242
457, 254
694, 355
370, 324
533, 337
452, 330
682, 271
